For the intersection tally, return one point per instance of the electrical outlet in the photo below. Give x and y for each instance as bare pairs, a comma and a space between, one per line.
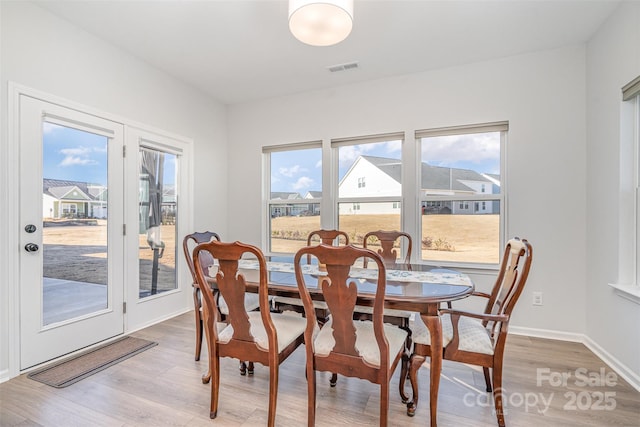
537, 298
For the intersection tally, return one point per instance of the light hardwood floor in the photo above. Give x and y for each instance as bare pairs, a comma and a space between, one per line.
162, 387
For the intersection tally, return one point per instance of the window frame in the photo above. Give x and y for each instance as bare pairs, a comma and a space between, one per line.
267, 201
409, 196
627, 284
354, 201
501, 127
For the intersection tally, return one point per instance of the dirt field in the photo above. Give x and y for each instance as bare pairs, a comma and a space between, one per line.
472, 238
79, 253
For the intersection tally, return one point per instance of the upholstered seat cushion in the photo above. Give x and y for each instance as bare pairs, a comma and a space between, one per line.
366, 344
251, 302
287, 327
474, 337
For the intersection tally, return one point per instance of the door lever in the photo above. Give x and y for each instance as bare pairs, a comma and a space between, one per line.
31, 247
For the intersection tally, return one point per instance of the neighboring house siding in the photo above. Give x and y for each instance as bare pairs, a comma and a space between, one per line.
365, 179
380, 177
49, 206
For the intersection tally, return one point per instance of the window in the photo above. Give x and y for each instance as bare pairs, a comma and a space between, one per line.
293, 194
461, 166
628, 281
457, 185
369, 184
69, 210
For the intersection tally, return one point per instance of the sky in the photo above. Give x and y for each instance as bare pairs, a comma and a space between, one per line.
301, 170
75, 155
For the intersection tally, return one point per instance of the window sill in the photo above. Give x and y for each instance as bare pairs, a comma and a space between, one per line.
630, 292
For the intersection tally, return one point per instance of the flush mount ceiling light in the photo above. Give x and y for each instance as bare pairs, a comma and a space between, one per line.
320, 23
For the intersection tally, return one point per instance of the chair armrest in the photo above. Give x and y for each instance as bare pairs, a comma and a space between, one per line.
481, 316
480, 294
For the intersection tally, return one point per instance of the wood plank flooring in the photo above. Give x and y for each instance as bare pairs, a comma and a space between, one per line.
162, 387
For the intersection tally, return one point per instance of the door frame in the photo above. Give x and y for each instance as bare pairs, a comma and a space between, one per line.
9, 226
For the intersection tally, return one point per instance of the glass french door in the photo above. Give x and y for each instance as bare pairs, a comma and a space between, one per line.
153, 217
157, 223
71, 238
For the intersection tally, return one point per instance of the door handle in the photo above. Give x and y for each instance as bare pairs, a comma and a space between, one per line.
31, 247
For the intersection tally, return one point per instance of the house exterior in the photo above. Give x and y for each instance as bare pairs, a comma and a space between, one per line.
371, 176
73, 199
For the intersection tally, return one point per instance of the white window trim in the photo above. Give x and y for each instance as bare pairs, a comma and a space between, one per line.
410, 197
501, 127
627, 284
267, 202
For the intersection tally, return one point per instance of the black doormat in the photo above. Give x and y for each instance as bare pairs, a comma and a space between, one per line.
79, 367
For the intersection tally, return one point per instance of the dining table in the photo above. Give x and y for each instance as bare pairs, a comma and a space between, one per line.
416, 288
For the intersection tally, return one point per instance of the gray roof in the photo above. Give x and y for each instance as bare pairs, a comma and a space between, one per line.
58, 188
433, 177
284, 195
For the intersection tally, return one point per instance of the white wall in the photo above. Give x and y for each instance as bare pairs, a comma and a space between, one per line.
613, 59
542, 95
45, 53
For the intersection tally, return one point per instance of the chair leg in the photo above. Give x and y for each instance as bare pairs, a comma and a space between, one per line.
333, 380
415, 362
198, 315
244, 368
311, 399
487, 378
384, 403
198, 336
273, 393
404, 371
497, 392
214, 366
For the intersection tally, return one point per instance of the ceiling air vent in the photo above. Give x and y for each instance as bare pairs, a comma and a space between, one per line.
343, 67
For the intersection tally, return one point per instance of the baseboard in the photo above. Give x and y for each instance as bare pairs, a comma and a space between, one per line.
158, 320
4, 376
620, 368
546, 333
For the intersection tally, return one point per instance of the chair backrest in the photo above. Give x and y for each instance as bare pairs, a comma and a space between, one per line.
340, 295
189, 242
388, 240
231, 285
514, 270
327, 236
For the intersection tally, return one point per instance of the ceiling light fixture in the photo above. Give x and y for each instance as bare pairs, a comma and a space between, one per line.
320, 23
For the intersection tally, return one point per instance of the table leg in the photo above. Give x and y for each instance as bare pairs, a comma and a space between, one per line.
432, 321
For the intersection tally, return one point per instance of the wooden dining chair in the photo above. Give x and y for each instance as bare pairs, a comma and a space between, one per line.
478, 338
369, 350
251, 300
388, 240
261, 336
327, 237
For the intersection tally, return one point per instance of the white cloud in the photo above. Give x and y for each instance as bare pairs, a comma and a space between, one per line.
78, 156
73, 160
290, 172
475, 148
78, 151
303, 182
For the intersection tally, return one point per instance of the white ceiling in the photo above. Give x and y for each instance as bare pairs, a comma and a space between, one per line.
239, 50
